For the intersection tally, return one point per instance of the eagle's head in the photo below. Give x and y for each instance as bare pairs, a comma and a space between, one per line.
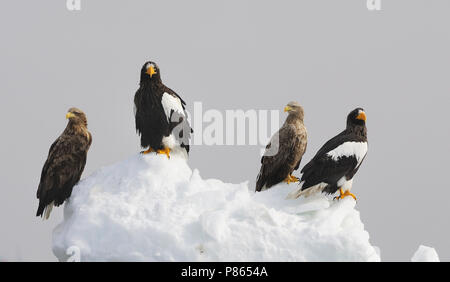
356, 117
150, 72
76, 116
294, 108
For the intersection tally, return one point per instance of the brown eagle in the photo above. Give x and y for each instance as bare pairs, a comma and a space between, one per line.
285, 151
65, 163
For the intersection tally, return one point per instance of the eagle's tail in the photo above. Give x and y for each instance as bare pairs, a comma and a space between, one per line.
44, 211
260, 182
296, 193
307, 191
48, 210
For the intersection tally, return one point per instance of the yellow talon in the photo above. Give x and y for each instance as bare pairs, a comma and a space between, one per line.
165, 151
294, 179
290, 179
345, 194
148, 151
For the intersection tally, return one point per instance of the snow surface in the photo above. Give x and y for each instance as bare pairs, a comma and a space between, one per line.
150, 208
425, 254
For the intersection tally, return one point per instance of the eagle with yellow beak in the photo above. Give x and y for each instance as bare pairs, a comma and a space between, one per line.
333, 167
285, 151
160, 115
65, 163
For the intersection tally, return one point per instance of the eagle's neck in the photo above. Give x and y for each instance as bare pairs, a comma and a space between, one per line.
73, 128
294, 118
358, 130
153, 86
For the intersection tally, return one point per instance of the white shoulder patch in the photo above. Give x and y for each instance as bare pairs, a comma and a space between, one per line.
170, 103
357, 149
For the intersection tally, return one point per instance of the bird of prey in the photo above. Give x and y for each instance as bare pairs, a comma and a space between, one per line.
161, 119
333, 167
65, 163
284, 152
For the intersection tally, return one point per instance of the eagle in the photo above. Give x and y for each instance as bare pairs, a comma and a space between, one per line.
285, 150
333, 167
160, 115
65, 163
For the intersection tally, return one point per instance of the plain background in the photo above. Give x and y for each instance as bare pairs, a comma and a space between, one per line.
331, 56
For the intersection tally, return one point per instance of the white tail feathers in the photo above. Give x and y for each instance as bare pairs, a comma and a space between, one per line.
48, 210
307, 192
294, 194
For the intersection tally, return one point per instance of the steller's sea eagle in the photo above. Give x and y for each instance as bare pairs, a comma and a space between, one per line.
333, 167
65, 163
284, 152
160, 114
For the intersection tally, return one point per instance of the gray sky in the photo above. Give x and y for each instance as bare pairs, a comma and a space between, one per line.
330, 56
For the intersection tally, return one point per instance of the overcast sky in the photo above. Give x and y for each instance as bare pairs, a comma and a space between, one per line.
330, 56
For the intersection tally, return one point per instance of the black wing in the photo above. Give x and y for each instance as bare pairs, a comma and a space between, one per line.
150, 119
149, 113
327, 170
322, 168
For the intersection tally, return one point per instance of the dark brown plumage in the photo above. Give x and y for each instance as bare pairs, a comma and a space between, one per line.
65, 163
285, 151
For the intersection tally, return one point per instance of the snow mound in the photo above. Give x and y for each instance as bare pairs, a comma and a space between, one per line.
150, 208
425, 254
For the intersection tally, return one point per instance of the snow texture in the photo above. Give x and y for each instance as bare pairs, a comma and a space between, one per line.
425, 254
151, 208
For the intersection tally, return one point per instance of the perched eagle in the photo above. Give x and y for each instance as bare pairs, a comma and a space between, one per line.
334, 166
285, 150
65, 163
160, 114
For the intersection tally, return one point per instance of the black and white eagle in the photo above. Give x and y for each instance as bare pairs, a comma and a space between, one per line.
333, 167
285, 151
65, 163
161, 118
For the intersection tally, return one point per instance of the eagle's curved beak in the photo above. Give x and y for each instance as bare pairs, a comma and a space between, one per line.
151, 71
69, 115
287, 109
361, 116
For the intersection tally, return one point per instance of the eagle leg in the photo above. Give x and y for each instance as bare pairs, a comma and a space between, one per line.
165, 151
148, 151
345, 194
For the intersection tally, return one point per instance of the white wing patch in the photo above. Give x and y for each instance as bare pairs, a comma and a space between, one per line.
170, 103
357, 149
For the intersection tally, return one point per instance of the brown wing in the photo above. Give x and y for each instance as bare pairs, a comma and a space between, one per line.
62, 169
281, 157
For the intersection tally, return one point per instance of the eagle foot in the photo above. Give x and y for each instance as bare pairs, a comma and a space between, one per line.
148, 151
165, 151
289, 179
344, 194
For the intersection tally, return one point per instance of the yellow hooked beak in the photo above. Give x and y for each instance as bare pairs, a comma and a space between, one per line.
287, 109
151, 71
361, 116
69, 115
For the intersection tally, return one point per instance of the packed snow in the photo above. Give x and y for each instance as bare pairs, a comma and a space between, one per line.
151, 208
425, 254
